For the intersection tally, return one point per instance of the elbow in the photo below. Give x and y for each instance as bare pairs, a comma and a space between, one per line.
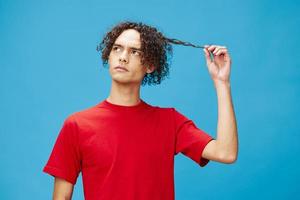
232, 159
228, 159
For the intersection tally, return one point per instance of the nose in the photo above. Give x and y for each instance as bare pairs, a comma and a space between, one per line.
123, 57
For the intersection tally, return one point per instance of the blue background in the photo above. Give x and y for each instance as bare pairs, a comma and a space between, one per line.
50, 69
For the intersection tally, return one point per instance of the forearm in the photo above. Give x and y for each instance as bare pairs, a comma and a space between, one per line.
227, 137
61, 198
63, 190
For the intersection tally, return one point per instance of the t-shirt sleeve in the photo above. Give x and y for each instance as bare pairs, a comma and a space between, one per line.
190, 140
65, 160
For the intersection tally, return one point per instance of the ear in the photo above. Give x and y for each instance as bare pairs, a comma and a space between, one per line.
150, 69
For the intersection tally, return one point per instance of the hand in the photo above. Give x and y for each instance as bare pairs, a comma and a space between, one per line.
219, 67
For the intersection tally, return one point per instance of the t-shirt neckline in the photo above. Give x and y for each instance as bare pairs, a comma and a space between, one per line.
117, 107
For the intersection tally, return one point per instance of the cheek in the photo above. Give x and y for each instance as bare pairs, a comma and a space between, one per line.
142, 71
111, 60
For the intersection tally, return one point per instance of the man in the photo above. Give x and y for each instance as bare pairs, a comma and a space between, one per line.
123, 146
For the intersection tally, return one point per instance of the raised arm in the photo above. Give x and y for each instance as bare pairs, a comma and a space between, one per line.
225, 148
63, 189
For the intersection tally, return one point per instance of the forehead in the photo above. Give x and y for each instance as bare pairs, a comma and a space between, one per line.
130, 38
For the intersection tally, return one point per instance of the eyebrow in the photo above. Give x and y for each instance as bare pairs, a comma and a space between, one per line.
134, 48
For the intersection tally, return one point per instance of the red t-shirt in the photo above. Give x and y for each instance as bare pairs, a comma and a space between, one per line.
125, 152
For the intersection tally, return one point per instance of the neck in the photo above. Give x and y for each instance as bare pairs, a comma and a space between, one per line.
124, 94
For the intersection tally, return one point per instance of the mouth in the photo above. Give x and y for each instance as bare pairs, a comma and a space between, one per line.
120, 68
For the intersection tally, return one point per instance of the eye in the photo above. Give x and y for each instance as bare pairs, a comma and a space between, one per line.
115, 48
136, 53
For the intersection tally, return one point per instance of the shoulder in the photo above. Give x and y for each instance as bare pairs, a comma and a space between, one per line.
161, 109
170, 112
82, 115
167, 109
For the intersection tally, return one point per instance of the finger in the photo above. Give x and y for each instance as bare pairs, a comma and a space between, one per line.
206, 53
227, 57
225, 53
221, 51
215, 50
212, 48
207, 56
218, 48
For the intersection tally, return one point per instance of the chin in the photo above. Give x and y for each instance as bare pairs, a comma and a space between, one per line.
124, 81
120, 80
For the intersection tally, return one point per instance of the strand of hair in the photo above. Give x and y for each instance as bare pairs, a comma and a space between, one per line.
175, 41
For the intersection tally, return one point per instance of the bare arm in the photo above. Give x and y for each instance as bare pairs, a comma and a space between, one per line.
63, 189
225, 147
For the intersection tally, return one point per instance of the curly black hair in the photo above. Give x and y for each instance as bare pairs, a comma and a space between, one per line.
156, 49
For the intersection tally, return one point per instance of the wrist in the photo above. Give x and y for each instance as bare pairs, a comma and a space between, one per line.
219, 83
